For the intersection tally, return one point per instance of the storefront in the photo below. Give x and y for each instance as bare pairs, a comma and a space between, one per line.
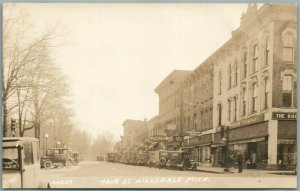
201, 151
286, 144
251, 140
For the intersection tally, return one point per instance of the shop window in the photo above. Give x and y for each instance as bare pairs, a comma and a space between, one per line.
255, 59
288, 47
287, 91
254, 97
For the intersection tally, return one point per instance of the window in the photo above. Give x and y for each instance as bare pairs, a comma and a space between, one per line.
254, 97
267, 52
28, 153
255, 59
235, 108
229, 110
219, 114
266, 91
288, 47
287, 91
220, 82
235, 73
245, 65
244, 101
229, 76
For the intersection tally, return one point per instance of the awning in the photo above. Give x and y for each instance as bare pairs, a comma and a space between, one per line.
286, 141
240, 142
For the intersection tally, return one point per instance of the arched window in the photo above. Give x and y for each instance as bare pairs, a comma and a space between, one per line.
287, 91
219, 114
244, 101
254, 97
195, 121
267, 52
266, 91
229, 76
245, 64
288, 47
235, 73
255, 59
234, 108
220, 82
229, 110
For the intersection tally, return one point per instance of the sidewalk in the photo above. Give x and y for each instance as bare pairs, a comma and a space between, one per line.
245, 171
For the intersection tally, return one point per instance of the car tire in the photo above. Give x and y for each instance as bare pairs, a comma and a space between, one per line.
48, 164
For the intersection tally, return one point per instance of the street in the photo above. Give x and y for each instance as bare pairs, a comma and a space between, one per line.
100, 174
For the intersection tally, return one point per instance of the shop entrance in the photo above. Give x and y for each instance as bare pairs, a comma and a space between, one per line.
251, 157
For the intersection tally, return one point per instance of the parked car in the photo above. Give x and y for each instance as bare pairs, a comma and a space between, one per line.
180, 160
163, 158
57, 157
100, 158
111, 157
21, 163
141, 158
153, 159
75, 158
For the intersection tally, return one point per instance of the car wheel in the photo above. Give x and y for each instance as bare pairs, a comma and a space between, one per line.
48, 164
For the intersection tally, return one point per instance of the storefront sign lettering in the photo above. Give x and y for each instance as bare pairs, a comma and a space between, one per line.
157, 138
284, 116
251, 120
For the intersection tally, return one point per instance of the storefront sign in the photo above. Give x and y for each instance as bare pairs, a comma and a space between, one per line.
284, 116
157, 138
193, 132
249, 121
177, 138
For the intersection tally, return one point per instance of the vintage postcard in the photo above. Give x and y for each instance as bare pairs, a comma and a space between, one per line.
149, 95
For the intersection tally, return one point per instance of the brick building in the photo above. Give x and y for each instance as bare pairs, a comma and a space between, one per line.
255, 88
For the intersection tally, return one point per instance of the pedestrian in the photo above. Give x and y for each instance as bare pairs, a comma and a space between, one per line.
240, 162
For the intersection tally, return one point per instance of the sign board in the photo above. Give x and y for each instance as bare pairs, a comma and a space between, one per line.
193, 133
177, 138
171, 127
284, 116
249, 121
157, 138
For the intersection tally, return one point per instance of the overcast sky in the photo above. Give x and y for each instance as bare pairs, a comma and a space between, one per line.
116, 54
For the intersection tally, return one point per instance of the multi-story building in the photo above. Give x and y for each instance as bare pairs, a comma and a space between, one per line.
197, 106
255, 88
135, 131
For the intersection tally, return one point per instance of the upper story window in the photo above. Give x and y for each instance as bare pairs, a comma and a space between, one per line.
287, 91
267, 51
229, 76
229, 110
234, 108
244, 101
235, 73
266, 92
254, 95
245, 64
288, 47
219, 114
255, 59
220, 82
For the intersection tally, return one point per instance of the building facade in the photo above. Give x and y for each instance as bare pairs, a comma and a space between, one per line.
255, 84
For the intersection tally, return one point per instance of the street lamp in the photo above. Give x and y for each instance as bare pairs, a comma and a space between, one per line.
57, 144
226, 140
46, 138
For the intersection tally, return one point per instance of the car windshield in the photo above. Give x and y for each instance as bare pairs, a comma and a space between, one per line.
10, 159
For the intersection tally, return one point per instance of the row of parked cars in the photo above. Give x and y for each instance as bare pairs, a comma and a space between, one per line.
179, 160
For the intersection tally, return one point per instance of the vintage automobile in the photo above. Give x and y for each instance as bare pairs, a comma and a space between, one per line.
153, 158
111, 157
141, 158
163, 158
75, 158
180, 160
57, 158
21, 163
100, 158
